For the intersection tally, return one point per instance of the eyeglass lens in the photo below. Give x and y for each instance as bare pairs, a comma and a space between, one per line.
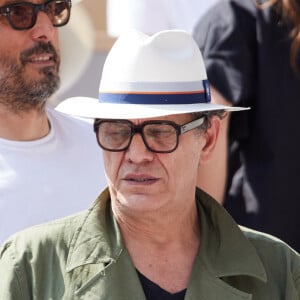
23, 15
116, 136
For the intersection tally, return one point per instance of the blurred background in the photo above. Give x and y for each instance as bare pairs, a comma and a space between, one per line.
84, 44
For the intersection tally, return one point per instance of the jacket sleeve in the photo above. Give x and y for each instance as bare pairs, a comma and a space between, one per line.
297, 278
12, 278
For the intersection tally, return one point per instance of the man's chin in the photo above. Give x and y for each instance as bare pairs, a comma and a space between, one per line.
44, 72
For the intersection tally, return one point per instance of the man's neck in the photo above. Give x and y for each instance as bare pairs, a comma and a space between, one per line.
23, 126
165, 258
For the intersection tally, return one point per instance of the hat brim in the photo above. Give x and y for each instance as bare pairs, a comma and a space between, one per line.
92, 108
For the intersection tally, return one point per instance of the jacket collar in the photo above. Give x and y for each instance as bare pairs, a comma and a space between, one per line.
97, 246
224, 249
98, 238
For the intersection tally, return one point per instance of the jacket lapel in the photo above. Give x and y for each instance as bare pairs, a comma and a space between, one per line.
224, 250
224, 253
206, 285
99, 266
118, 281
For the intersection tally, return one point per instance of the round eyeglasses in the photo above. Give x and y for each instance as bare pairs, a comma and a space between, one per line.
23, 15
158, 136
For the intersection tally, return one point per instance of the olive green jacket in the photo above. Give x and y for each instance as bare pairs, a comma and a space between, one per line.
83, 257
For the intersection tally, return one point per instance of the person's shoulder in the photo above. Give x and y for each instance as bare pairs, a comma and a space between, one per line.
270, 247
227, 20
31, 258
280, 261
54, 235
260, 236
237, 5
65, 121
224, 12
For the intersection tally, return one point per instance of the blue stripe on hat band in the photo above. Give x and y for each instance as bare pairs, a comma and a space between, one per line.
158, 98
154, 98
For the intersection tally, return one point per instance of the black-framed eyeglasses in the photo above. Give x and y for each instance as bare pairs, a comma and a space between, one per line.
158, 136
23, 15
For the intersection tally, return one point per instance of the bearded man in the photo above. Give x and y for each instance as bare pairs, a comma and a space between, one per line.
45, 157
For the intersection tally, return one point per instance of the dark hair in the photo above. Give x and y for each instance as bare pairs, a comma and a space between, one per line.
208, 116
289, 12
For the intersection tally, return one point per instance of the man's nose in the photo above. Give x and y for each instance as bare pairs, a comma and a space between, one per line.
138, 151
43, 30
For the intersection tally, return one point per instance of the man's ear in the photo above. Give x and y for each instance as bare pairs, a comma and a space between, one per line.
210, 138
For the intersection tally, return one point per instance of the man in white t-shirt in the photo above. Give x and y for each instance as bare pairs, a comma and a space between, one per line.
47, 159
154, 15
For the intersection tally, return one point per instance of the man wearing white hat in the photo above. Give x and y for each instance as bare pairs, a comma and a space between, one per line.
151, 234
47, 159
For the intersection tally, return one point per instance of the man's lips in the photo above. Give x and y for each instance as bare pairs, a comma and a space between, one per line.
41, 59
140, 178
42, 54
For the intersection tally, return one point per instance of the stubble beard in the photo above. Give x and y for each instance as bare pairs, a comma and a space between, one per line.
20, 94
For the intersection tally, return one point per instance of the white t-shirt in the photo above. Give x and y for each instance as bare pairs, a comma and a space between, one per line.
49, 178
150, 16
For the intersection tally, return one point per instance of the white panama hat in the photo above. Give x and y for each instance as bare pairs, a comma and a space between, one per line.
149, 76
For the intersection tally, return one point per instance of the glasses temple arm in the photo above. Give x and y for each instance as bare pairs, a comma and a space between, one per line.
191, 125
